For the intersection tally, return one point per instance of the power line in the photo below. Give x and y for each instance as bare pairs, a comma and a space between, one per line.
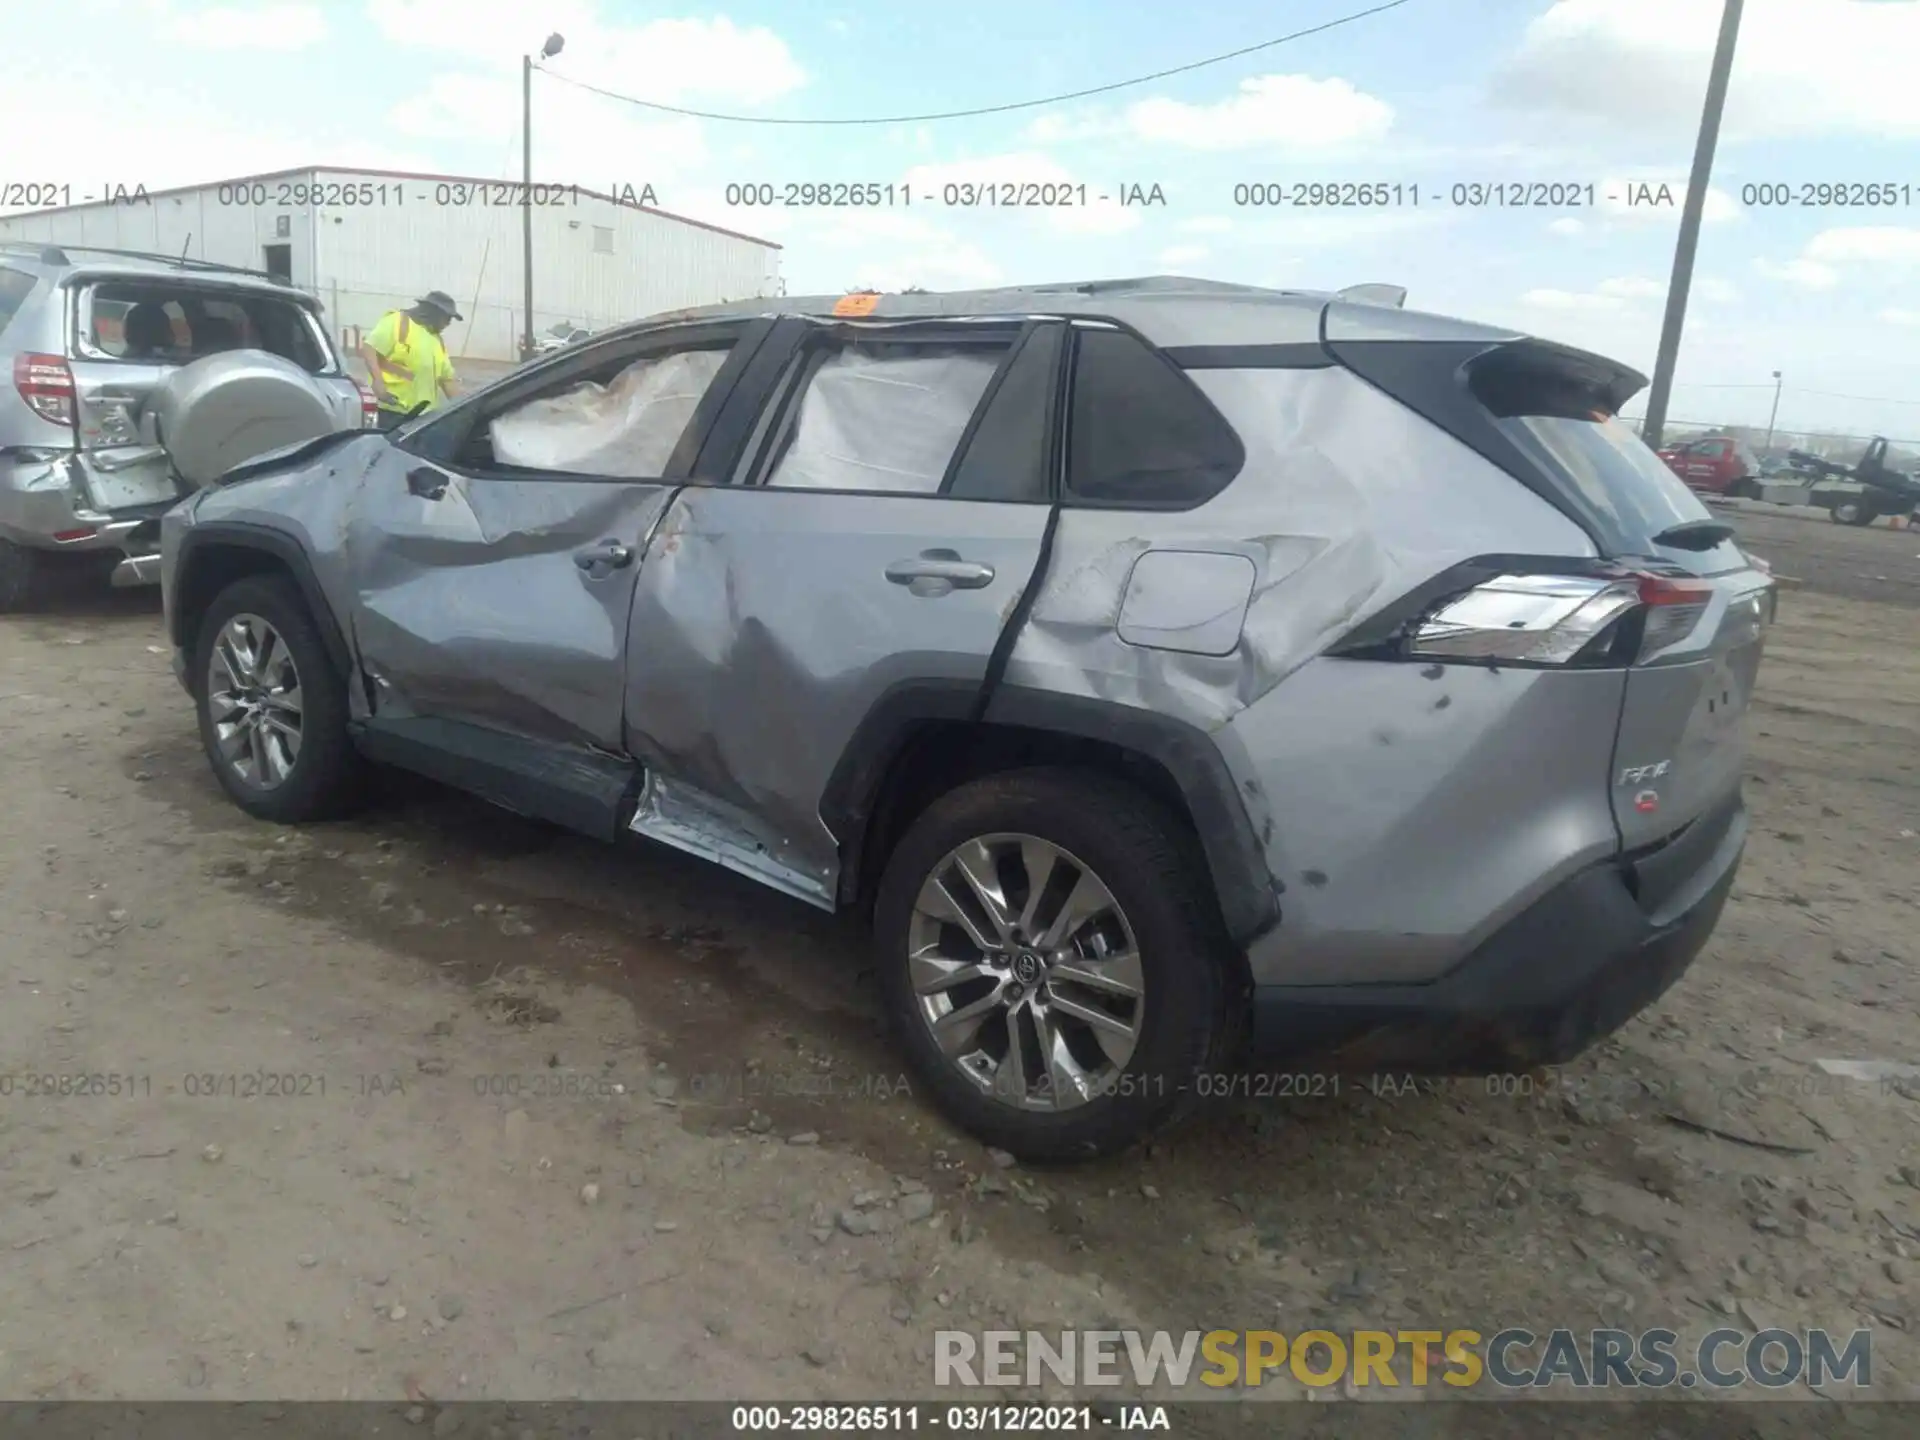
983, 109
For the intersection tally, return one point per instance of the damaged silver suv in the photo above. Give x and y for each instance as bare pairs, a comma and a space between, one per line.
105, 349
1168, 668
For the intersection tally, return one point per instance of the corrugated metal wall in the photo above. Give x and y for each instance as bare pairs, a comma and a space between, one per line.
213, 223
596, 263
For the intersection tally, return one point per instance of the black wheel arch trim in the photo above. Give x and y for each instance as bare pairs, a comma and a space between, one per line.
1235, 860
239, 535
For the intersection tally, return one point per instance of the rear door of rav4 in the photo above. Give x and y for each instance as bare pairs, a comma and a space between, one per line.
1672, 599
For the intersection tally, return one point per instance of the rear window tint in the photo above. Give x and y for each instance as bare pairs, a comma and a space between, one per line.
15, 286
1141, 434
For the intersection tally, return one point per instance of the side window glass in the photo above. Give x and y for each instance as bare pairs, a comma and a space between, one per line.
1011, 451
882, 417
624, 424
1140, 433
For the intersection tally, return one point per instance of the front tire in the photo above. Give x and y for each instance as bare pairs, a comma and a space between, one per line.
1850, 512
272, 707
1052, 963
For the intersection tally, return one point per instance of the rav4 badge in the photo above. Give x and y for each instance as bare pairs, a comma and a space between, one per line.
1635, 774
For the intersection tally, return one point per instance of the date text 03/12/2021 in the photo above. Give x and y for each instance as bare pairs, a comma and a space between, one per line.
912, 1418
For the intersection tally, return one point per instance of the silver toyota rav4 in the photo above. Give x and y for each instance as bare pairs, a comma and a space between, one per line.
1174, 671
90, 338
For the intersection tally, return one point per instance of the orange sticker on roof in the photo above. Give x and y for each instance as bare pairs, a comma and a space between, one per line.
855, 304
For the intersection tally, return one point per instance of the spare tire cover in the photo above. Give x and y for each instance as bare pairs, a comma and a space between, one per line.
222, 411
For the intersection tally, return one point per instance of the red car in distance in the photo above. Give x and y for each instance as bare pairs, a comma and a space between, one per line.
1716, 464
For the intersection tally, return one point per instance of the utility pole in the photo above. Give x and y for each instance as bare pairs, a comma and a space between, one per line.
1689, 241
1773, 414
547, 51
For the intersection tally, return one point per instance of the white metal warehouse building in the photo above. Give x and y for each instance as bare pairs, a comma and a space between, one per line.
366, 241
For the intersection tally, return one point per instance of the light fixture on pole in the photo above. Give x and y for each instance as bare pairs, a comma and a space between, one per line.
547, 51
1689, 240
1773, 414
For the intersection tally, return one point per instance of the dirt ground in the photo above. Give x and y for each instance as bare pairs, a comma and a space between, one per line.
439, 1104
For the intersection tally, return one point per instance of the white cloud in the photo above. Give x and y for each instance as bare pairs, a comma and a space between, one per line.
578, 138
1807, 274
1843, 253
671, 61
1865, 244
1901, 317
1571, 300
1293, 112
1177, 255
1567, 225
1633, 287
893, 251
163, 136
1621, 292
233, 27
1802, 67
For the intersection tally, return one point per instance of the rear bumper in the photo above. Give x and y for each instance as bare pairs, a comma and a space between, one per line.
1568, 971
42, 507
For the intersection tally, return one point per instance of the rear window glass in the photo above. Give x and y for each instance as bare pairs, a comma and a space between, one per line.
1558, 408
15, 286
1612, 469
173, 326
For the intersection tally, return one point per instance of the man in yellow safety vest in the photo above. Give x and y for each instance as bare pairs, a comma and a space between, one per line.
406, 361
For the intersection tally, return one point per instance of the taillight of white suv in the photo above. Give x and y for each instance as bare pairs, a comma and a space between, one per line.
45, 382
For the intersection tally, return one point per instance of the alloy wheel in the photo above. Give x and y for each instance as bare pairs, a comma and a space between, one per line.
254, 702
1026, 972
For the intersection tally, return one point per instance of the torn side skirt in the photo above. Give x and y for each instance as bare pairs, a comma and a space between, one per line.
700, 824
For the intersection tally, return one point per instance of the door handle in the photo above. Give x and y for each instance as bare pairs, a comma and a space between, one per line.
426, 482
935, 572
607, 556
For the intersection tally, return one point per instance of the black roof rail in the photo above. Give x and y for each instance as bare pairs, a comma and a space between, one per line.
59, 255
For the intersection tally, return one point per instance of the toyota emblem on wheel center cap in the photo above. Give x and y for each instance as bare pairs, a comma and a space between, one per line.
1026, 967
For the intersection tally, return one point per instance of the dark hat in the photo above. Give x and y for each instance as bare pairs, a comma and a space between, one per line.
441, 301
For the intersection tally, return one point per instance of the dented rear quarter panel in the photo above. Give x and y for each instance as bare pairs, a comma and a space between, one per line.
1401, 817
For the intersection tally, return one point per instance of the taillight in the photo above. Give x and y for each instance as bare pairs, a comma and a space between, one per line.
1674, 607
1613, 617
46, 384
369, 407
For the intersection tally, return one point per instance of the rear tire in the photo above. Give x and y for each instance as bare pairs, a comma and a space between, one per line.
20, 577
272, 707
1157, 934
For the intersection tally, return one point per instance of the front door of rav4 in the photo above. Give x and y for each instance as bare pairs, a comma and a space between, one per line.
884, 519
494, 553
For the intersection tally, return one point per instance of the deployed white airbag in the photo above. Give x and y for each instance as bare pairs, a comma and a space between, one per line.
884, 422
627, 427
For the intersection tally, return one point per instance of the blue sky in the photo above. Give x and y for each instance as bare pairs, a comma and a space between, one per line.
1601, 93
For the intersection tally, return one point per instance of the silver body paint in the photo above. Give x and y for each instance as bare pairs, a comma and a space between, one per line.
1403, 813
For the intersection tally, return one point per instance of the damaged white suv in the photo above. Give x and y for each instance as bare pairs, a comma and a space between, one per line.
135, 378
1164, 665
